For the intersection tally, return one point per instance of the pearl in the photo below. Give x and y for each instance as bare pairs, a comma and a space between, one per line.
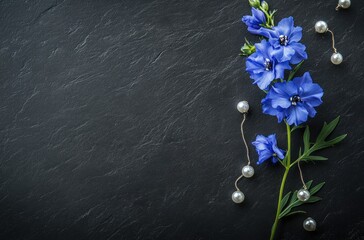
238, 197
344, 3
336, 58
248, 171
309, 224
321, 27
303, 195
243, 106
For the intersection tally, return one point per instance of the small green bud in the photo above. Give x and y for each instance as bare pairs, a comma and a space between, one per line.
254, 3
247, 49
265, 5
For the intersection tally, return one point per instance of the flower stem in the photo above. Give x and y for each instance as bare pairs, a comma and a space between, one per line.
288, 145
275, 224
281, 190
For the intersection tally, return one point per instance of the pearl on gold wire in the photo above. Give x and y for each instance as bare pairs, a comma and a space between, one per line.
321, 27
238, 196
243, 107
247, 171
343, 4
303, 194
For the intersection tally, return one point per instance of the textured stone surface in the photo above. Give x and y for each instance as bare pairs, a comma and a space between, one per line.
118, 121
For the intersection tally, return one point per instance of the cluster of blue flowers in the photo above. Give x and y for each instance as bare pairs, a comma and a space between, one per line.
290, 100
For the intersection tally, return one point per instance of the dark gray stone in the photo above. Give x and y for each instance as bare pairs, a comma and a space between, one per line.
118, 121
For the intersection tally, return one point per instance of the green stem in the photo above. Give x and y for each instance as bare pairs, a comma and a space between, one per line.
288, 144
275, 224
281, 190
270, 21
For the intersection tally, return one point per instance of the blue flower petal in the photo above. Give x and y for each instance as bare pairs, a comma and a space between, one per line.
267, 148
256, 65
291, 50
263, 156
297, 115
285, 26
296, 35
255, 21
300, 53
293, 100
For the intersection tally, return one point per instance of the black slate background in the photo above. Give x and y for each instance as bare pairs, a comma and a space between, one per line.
118, 121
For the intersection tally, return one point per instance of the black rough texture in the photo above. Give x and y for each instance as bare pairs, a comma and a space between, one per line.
118, 121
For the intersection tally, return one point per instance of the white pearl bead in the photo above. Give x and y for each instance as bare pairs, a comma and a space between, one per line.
238, 197
336, 58
309, 224
248, 171
303, 195
344, 3
321, 27
243, 106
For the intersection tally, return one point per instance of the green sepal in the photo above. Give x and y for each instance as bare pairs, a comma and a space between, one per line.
254, 3
247, 49
264, 5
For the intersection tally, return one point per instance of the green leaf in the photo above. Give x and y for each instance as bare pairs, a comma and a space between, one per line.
293, 72
295, 212
294, 197
288, 209
285, 200
336, 140
315, 158
306, 139
296, 127
316, 188
300, 152
309, 183
285, 212
327, 129
330, 143
313, 199
294, 202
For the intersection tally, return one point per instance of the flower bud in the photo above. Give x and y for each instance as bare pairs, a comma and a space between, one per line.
254, 3
247, 49
265, 5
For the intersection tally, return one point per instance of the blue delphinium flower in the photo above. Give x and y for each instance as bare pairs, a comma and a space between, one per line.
267, 148
263, 66
285, 39
255, 21
293, 100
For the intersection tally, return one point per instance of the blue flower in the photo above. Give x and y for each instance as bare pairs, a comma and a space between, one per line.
293, 100
267, 148
263, 67
285, 39
255, 21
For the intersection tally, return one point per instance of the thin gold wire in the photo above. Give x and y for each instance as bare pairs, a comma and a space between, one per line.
301, 175
247, 150
333, 40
